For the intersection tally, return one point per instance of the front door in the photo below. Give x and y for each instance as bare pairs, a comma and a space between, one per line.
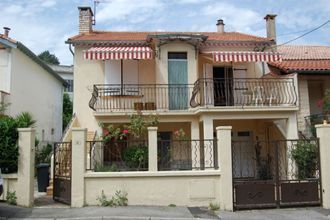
223, 80
177, 80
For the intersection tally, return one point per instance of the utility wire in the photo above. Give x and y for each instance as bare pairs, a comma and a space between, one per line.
328, 21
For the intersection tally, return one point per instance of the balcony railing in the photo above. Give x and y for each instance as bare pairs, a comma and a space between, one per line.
204, 93
140, 97
244, 92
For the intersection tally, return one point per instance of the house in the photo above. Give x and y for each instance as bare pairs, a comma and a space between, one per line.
28, 84
66, 72
195, 81
312, 64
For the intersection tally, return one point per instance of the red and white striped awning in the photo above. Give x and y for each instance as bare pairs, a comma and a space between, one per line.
118, 53
246, 56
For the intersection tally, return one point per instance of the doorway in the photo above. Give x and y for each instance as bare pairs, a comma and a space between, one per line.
223, 86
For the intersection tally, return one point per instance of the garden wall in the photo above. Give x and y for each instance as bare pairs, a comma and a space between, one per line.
185, 188
9, 184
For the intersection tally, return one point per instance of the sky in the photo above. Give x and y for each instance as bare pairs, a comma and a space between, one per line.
47, 24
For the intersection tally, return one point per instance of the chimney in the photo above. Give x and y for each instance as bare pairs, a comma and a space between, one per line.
6, 31
85, 20
270, 26
220, 26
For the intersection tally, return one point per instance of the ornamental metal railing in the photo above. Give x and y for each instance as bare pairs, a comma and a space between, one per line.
244, 92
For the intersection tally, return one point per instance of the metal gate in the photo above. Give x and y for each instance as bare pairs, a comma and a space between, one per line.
62, 172
276, 174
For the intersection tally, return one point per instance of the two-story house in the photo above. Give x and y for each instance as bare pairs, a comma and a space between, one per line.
192, 80
27, 84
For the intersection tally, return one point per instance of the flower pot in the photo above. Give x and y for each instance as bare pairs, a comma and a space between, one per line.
138, 106
149, 106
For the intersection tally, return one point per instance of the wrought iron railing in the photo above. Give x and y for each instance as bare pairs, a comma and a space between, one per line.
117, 155
116, 97
187, 154
244, 92
313, 120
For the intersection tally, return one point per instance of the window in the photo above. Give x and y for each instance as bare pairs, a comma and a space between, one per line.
69, 87
177, 55
120, 73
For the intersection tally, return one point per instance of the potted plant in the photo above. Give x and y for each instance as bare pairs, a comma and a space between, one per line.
149, 106
138, 106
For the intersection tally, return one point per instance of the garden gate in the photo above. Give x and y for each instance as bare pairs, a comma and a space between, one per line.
276, 174
62, 172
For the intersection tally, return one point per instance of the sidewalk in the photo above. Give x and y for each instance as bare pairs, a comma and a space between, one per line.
158, 213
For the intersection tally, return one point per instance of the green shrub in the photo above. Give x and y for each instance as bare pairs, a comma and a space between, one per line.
11, 198
105, 168
119, 199
214, 206
136, 157
172, 205
305, 156
8, 145
9, 138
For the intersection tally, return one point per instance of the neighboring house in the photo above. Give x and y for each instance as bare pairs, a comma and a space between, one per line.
312, 64
66, 72
192, 80
28, 84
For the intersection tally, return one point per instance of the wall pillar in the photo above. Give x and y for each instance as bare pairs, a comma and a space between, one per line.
323, 133
25, 173
225, 166
195, 145
79, 138
291, 134
208, 149
152, 149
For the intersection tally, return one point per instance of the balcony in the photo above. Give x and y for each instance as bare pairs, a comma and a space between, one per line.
210, 93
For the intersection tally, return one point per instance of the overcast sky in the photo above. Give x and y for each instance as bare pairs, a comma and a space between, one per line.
46, 24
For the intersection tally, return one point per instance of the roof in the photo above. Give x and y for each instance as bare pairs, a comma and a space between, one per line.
9, 42
303, 59
61, 68
106, 36
303, 52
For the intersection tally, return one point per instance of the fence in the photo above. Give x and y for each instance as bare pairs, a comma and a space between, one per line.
132, 155
140, 97
244, 92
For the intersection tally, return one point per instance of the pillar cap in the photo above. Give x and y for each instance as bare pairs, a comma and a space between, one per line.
322, 126
224, 128
152, 128
25, 129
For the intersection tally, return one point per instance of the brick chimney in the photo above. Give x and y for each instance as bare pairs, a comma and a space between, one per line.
271, 26
6, 31
85, 20
220, 26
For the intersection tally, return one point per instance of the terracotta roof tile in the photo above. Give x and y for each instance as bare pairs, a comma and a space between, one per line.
303, 52
142, 36
302, 65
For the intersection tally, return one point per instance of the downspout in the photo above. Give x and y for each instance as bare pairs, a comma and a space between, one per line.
70, 48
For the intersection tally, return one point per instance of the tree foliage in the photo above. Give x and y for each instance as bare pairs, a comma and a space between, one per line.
49, 58
67, 110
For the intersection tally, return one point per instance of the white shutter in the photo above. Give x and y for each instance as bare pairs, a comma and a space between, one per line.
112, 72
131, 71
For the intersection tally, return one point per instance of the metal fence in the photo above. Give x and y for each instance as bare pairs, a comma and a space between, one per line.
117, 155
116, 97
187, 154
244, 92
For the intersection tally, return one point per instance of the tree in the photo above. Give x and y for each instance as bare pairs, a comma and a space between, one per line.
67, 110
49, 58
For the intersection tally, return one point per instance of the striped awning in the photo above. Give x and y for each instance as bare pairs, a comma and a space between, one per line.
246, 56
118, 53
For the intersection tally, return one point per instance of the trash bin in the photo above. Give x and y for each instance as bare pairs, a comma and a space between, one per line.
43, 176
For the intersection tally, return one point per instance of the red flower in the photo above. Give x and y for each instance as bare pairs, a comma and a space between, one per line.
106, 132
320, 103
125, 131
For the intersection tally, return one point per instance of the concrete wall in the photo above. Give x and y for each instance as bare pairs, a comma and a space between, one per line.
35, 90
9, 185
186, 188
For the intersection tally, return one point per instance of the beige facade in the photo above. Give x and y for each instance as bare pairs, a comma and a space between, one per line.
29, 87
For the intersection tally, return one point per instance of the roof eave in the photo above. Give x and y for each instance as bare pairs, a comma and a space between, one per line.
307, 72
8, 43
